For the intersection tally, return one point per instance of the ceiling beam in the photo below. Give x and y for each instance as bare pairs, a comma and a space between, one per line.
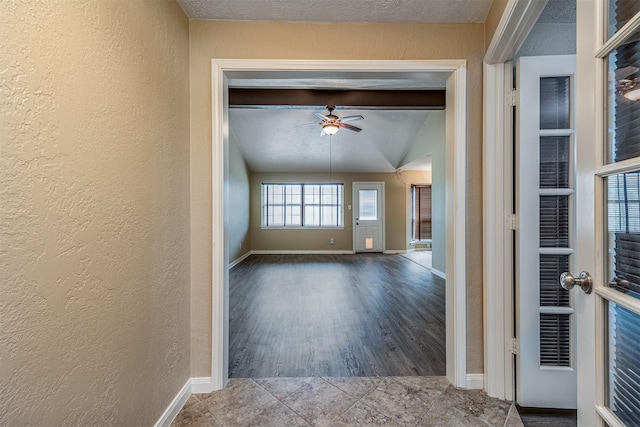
341, 99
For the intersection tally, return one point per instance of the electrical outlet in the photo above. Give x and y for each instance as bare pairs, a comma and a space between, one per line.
331, 241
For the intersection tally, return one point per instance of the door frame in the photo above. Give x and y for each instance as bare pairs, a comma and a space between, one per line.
516, 23
353, 212
456, 140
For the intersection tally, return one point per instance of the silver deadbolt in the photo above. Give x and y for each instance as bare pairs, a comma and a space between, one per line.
567, 281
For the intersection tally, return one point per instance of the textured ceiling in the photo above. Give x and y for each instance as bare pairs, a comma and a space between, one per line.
559, 12
435, 11
272, 141
269, 140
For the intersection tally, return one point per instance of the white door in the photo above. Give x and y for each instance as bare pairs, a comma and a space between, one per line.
545, 239
608, 212
368, 216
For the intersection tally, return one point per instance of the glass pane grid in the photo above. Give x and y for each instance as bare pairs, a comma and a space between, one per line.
555, 339
368, 205
623, 226
551, 293
555, 334
554, 221
620, 12
623, 65
623, 394
299, 205
555, 103
554, 162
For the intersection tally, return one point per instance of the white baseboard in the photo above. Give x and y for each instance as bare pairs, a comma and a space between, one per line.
201, 385
175, 406
439, 273
302, 252
193, 385
475, 381
395, 251
239, 260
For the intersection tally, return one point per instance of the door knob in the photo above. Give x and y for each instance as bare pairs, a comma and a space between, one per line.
567, 281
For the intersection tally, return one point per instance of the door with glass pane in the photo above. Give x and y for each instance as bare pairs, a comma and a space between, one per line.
545, 203
608, 189
368, 216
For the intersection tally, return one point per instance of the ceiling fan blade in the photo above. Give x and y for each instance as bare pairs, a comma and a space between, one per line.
351, 118
350, 127
320, 116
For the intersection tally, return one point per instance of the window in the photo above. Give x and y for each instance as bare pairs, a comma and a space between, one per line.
368, 209
421, 212
302, 205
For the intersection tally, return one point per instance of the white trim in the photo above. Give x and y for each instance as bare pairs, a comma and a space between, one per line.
175, 406
621, 36
396, 251
623, 300
517, 20
219, 250
475, 381
201, 385
301, 252
240, 259
609, 417
497, 240
455, 233
618, 167
438, 273
456, 140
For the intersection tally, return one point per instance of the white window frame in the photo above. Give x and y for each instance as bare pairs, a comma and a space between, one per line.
339, 205
413, 214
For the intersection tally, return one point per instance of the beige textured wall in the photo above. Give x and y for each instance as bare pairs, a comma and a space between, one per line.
431, 139
94, 166
493, 19
239, 197
273, 40
397, 203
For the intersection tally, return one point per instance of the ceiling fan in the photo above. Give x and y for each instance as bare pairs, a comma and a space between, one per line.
626, 85
331, 123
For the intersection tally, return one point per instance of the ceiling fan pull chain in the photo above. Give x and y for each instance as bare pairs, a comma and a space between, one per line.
330, 156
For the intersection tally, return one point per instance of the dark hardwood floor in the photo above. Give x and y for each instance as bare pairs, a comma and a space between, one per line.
335, 315
543, 417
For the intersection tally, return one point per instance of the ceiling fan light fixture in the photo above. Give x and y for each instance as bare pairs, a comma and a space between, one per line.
331, 128
629, 88
633, 94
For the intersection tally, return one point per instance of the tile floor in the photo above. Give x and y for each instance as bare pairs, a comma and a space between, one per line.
422, 258
353, 401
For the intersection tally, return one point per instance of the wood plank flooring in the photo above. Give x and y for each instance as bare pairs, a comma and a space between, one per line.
335, 315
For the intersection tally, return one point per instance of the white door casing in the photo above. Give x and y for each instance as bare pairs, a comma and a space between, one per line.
546, 367
368, 217
456, 123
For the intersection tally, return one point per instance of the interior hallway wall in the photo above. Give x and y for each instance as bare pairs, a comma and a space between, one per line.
431, 139
397, 206
94, 235
239, 203
287, 40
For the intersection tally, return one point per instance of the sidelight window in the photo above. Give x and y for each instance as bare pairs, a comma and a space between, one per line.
421, 212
